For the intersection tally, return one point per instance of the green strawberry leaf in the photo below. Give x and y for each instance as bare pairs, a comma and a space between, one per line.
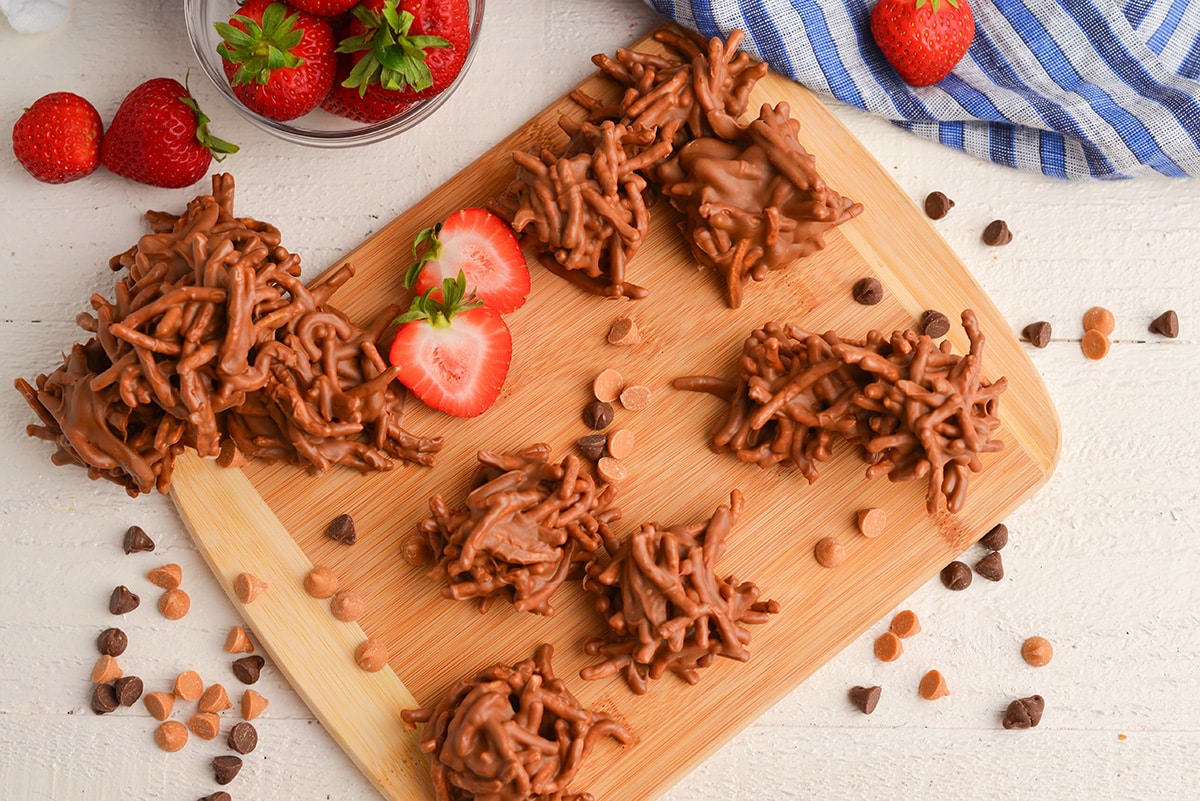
262, 48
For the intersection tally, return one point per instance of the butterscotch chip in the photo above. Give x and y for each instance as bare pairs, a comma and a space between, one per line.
1095, 345
205, 725
905, 624
253, 705
871, 522
888, 647
933, 686
611, 470
346, 606
371, 655
106, 670
865, 698
1166, 324
168, 576
189, 686
415, 550
1099, 319
1037, 651
214, 699
171, 735
159, 705
174, 604
237, 641
624, 331
607, 385
321, 582
620, 443
829, 552
635, 397
247, 587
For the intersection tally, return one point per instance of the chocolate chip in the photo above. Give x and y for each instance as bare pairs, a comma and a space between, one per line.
597, 415
935, 324
865, 698
112, 642
867, 291
225, 769
1166, 324
991, 567
243, 737
1024, 713
104, 699
956, 576
128, 690
416, 550
341, 529
137, 540
248, 668
220, 795
997, 233
1037, 333
592, 446
996, 538
937, 205
122, 600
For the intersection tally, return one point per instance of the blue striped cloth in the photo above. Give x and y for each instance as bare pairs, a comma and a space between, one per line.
1068, 88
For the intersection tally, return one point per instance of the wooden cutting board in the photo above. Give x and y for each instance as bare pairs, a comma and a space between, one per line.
270, 519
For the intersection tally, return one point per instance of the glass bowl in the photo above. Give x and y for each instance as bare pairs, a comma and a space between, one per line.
318, 128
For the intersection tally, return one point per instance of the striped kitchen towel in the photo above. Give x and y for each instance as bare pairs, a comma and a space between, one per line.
1068, 88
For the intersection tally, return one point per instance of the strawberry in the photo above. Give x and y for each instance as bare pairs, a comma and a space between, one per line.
159, 136
478, 244
453, 353
324, 8
280, 62
57, 139
923, 39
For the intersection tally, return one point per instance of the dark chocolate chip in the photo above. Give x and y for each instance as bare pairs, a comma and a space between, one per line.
867, 291
935, 324
865, 698
243, 737
996, 538
937, 205
997, 233
112, 642
104, 699
956, 576
1037, 333
123, 600
991, 567
225, 769
1024, 713
341, 529
248, 668
592, 446
220, 795
137, 540
1166, 324
128, 690
597, 415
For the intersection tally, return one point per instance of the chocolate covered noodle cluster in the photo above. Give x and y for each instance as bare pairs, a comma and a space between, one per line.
510, 734
665, 606
525, 527
916, 409
212, 342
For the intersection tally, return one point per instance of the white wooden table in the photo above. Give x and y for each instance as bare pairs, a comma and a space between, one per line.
1104, 561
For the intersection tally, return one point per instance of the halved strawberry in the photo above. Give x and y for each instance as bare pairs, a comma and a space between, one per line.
478, 244
454, 352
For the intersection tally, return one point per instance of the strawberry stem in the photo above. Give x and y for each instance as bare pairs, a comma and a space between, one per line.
428, 237
393, 58
261, 47
438, 312
218, 147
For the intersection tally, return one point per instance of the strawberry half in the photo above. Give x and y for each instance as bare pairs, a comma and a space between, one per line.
478, 244
454, 352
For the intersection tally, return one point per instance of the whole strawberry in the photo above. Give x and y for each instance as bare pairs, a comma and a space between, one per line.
324, 8
160, 137
923, 39
280, 62
57, 139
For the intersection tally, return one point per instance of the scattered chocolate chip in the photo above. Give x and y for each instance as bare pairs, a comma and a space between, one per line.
1037, 333
956, 576
867, 291
996, 538
225, 769
112, 642
991, 567
128, 690
597, 415
248, 668
865, 698
342, 530
415, 550
937, 205
104, 699
220, 795
935, 324
1024, 713
591, 447
1166, 324
123, 600
137, 540
243, 737
997, 233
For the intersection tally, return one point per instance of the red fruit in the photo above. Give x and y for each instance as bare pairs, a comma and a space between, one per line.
453, 353
324, 8
370, 103
280, 62
57, 139
923, 39
479, 245
159, 136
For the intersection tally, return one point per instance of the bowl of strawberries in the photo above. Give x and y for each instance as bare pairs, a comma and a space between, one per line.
335, 73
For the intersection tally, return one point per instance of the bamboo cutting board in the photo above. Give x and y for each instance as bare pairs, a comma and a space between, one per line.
270, 519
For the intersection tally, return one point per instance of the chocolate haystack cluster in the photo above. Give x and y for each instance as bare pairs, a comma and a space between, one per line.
526, 526
750, 194
916, 409
665, 607
510, 734
214, 343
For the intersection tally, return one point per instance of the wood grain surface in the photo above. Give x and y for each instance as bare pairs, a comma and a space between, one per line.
674, 478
